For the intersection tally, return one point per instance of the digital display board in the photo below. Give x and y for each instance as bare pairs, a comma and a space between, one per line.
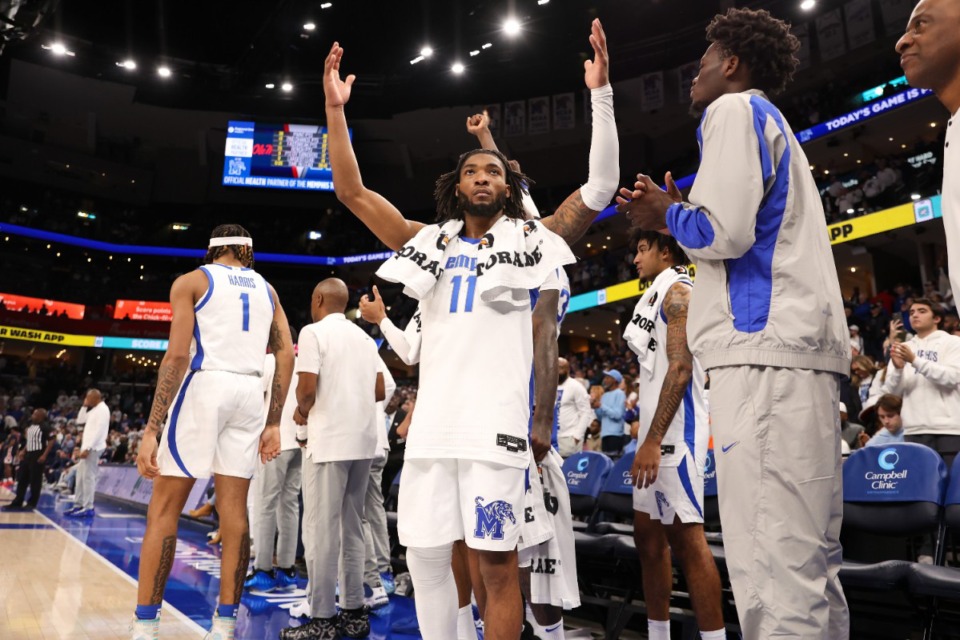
142, 310
277, 156
45, 307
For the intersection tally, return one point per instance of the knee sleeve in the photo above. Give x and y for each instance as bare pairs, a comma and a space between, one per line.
435, 591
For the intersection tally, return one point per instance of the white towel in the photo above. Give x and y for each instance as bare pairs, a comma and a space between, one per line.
639, 329
513, 258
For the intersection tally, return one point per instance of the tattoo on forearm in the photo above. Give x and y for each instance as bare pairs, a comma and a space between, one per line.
276, 397
545, 353
168, 380
571, 219
675, 305
241, 570
167, 549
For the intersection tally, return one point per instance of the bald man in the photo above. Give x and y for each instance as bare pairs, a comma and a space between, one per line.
94, 416
574, 413
338, 386
930, 56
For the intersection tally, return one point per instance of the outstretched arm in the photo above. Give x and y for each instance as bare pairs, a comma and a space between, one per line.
375, 211
479, 125
574, 216
646, 462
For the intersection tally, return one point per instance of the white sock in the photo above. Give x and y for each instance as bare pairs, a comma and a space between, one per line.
466, 630
435, 591
550, 632
719, 634
658, 629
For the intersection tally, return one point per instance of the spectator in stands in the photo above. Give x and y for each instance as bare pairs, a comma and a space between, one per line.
891, 426
863, 370
856, 341
610, 409
593, 442
9, 453
874, 331
574, 415
925, 373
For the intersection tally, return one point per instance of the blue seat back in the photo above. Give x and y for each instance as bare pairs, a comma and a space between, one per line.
710, 476
903, 472
586, 472
619, 480
952, 496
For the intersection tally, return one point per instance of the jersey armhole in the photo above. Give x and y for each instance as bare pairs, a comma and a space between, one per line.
206, 296
273, 304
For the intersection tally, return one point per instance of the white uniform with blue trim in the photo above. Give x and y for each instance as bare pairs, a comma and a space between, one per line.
678, 489
217, 416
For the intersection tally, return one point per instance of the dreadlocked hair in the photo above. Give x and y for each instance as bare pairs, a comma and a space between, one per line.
762, 42
244, 253
445, 191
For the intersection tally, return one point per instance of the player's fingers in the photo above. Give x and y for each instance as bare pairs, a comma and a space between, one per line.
350, 79
376, 293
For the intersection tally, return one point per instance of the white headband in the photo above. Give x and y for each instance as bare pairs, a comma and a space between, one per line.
230, 241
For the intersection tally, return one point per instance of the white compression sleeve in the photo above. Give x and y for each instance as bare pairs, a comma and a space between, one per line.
435, 591
397, 340
604, 152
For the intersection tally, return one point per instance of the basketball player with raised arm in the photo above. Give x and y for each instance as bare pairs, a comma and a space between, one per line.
209, 405
473, 274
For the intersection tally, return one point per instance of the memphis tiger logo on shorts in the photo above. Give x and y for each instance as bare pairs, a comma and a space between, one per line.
491, 518
661, 502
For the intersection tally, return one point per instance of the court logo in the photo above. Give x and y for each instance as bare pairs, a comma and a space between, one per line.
888, 459
491, 518
661, 502
583, 463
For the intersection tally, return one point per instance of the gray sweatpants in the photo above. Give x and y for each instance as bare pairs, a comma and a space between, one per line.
776, 437
333, 495
87, 470
279, 510
375, 534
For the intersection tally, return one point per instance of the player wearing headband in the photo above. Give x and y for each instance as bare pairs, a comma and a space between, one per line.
208, 413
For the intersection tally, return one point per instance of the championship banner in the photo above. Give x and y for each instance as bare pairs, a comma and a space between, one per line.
515, 120
859, 18
493, 111
651, 96
564, 111
830, 35
685, 75
802, 32
539, 115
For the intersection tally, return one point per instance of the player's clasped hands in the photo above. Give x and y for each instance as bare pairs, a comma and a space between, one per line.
646, 204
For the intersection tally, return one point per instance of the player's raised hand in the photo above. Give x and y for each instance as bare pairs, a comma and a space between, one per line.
597, 71
478, 123
373, 310
337, 91
270, 443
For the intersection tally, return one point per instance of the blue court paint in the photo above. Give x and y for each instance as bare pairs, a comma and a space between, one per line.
194, 580
24, 526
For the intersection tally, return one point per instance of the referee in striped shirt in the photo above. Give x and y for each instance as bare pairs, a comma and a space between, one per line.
36, 446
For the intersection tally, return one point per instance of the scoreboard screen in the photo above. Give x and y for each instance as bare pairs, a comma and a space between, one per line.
277, 156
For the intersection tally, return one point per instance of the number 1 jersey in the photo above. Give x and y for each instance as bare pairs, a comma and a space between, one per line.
233, 321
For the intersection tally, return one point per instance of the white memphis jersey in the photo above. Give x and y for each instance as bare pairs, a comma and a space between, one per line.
690, 429
475, 363
233, 321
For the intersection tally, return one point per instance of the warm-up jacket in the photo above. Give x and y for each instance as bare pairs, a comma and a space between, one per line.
930, 386
766, 290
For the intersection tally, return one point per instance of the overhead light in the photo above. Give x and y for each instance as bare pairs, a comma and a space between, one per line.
617, 321
846, 155
859, 161
269, 85
914, 196
416, 60
542, 2
588, 245
853, 269
826, 172
164, 72
180, 226
850, 211
487, 45
86, 215
475, 52
511, 26
326, 5
286, 86
933, 125
128, 64
891, 139
806, 5
314, 235
309, 26
426, 52
457, 68
903, 146
58, 49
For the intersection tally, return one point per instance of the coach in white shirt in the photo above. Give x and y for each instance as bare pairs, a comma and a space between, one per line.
95, 418
575, 414
338, 387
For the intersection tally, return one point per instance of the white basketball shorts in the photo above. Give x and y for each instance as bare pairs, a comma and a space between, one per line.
678, 491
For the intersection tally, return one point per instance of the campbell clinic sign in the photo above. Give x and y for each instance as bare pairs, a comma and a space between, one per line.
142, 310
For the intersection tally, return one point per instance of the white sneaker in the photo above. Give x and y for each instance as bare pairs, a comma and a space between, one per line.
70, 497
300, 609
144, 629
222, 628
378, 597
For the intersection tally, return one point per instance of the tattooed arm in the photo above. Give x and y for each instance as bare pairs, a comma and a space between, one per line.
646, 463
281, 345
571, 219
184, 293
544, 370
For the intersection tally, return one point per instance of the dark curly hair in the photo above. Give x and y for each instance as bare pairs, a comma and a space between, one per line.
243, 252
677, 254
762, 42
445, 192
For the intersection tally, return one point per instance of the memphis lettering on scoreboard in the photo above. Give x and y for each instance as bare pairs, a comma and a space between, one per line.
277, 156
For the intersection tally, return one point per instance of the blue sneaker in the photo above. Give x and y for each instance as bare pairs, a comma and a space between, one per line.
286, 578
260, 580
375, 597
386, 579
82, 513
71, 511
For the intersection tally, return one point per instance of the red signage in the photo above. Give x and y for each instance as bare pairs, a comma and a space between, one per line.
142, 310
41, 306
